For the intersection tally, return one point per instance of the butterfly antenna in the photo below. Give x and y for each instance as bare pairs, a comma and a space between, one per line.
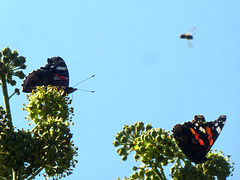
84, 80
86, 90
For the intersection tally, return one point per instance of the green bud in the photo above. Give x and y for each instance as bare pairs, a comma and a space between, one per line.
141, 173
123, 139
141, 124
6, 51
131, 127
146, 138
158, 138
134, 175
17, 91
6, 60
127, 130
142, 149
148, 173
136, 157
116, 143
9, 75
165, 162
14, 54
148, 127
138, 129
135, 168
131, 145
13, 82
19, 74
22, 59
18, 61
159, 131
124, 157
23, 66
154, 133
121, 151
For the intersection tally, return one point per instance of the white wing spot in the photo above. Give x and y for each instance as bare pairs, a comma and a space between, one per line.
202, 130
61, 68
218, 129
216, 124
196, 124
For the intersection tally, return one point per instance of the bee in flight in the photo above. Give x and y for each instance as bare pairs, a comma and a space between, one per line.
188, 36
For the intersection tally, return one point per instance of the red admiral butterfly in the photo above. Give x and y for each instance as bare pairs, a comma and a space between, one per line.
196, 137
54, 73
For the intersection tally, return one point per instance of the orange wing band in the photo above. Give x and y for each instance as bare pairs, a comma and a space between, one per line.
197, 136
210, 139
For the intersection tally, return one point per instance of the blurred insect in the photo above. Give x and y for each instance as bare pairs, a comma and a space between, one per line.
188, 36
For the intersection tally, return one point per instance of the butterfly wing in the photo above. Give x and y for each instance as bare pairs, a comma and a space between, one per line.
58, 67
54, 73
196, 137
187, 141
37, 78
214, 128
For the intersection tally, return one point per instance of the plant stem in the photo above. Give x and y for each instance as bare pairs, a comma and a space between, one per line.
7, 108
161, 175
161, 170
35, 174
13, 174
158, 173
6, 100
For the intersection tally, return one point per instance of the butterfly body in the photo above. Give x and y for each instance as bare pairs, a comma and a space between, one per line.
195, 138
54, 73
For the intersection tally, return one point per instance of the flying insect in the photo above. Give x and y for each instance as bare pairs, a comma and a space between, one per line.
188, 36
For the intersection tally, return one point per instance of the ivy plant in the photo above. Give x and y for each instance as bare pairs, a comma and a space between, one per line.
156, 148
45, 149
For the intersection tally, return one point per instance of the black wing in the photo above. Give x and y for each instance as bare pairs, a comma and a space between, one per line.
196, 137
54, 73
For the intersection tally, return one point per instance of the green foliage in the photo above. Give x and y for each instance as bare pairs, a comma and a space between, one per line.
44, 102
10, 64
49, 145
217, 167
17, 151
155, 148
51, 113
152, 146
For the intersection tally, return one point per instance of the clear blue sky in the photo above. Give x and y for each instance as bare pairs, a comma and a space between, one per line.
144, 71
